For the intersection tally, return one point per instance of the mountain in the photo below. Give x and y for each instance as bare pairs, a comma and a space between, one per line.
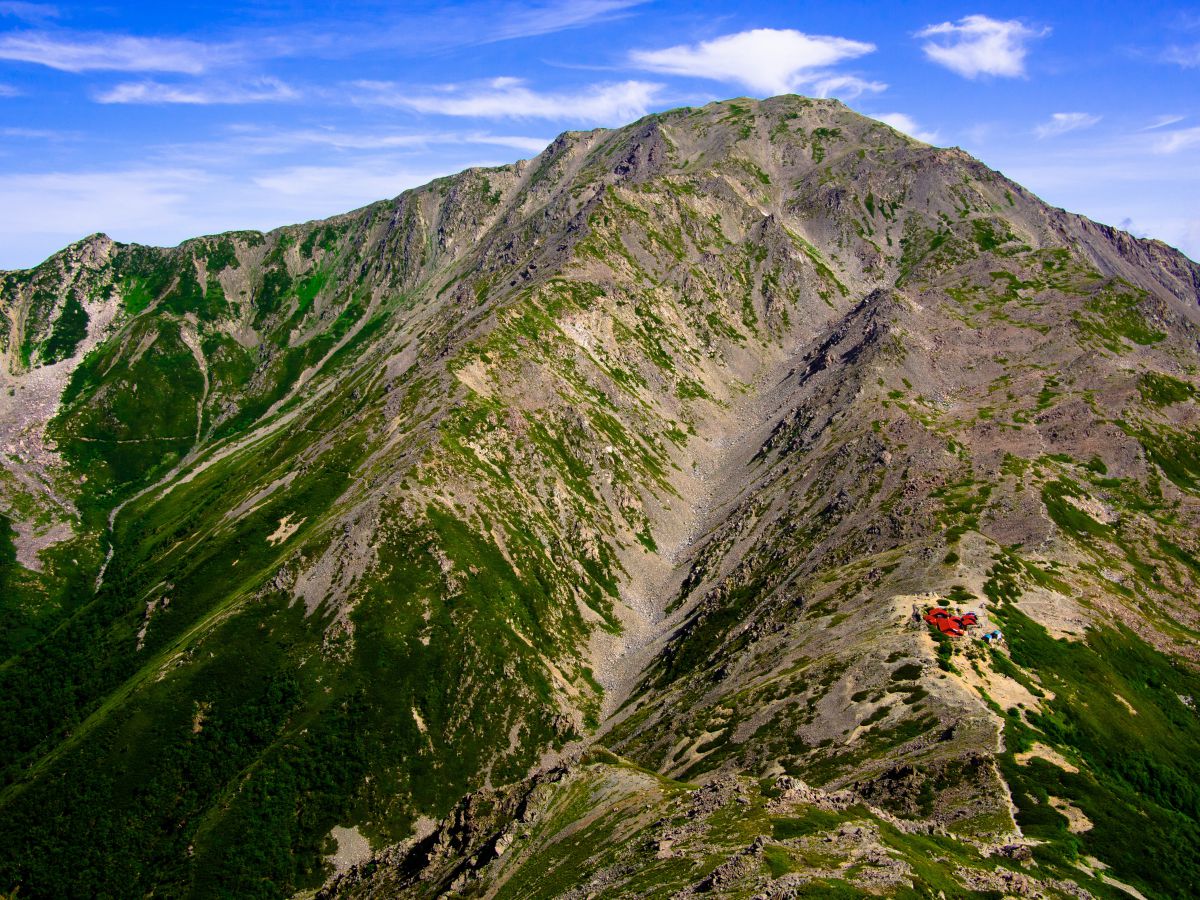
563, 529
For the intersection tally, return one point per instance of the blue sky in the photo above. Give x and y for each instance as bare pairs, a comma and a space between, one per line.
154, 122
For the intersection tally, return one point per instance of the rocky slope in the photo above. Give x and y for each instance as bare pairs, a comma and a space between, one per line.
555, 530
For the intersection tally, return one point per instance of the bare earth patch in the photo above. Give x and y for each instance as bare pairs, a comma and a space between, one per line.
285, 530
1006, 691
1077, 822
1049, 754
352, 848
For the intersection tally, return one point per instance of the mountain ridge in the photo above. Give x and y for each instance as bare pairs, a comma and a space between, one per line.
649, 446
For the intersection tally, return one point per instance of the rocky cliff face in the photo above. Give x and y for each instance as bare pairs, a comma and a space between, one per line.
557, 529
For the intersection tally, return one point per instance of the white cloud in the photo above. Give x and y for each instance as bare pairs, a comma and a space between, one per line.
433, 27
1061, 123
978, 45
511, 98
905, 124
462, 24
766, 60
7, 90
1179, 139
262, 91
114, 53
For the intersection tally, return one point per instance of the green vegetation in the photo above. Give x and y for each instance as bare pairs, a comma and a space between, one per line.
1114, 316
1056, 495
922, 245
1160, 390
962, 502
243, 748
944, 650
133, 425
1142, 762
990, 234
818, 138
742, 117
255, 702
813, 821
1175, 452
69, 330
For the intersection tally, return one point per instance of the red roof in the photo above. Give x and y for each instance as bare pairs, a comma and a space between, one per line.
941, 619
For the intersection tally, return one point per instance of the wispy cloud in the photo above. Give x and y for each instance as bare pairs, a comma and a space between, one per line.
7, 90
336, 186
978, 45
114, 53
847, 86
512, 98
79, 202
905, 124
1063, 122
536, 19
168, 204
1177, 140
423, 32
765, 60
1183, 55
256, 141
37, 134
29, 12
1163, 122
514, 141
153, 92
439, 27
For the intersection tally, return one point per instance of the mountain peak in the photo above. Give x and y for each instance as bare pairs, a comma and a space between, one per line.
573, 525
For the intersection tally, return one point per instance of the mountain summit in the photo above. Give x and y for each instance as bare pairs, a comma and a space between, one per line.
567, 528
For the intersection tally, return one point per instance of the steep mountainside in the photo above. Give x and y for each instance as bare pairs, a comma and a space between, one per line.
557, 529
